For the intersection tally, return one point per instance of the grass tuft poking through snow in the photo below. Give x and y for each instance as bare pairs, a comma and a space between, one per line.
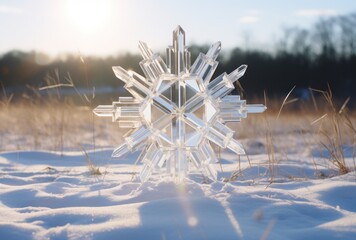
333, 137
94, 170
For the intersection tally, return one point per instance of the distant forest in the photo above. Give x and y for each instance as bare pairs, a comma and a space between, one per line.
322, 56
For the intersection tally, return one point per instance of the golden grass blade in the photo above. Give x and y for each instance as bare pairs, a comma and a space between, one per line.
317, 120
344, 105
284, 102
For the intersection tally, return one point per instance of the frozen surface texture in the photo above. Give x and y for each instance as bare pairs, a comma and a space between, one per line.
176, 111
46, 195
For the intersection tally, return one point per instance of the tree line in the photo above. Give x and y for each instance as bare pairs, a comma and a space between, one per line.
319, 57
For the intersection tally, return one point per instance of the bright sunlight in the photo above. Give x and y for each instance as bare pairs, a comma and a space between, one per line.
88, 15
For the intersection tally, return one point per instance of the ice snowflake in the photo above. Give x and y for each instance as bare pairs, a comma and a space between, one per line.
177, 112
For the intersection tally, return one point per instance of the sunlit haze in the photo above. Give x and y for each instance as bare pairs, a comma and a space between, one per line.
88, 15
108, 27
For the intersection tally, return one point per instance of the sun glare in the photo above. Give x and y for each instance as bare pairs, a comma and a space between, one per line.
88, 15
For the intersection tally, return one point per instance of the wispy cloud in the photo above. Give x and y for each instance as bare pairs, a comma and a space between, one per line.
249, 19
251, 16
9, 9
316, 12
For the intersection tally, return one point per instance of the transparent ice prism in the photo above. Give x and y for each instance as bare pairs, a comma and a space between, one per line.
177, 111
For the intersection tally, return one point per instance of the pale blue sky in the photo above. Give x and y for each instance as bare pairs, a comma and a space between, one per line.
61, 26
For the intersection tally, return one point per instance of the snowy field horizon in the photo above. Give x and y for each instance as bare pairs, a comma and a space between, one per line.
58, 181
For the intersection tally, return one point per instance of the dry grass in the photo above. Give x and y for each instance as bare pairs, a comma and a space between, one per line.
59, 125
316, 128
336, 130
93, 169
53, 126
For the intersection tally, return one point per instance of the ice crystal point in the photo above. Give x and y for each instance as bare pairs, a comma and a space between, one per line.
179, 39
154, 67
236, 147
205, 65
137, 85
121, 74
220, 86
179, 29
176, 111
256, 108
104, 110
152, 64
237, 73
121, 151
178, 57
214, 50
146, 52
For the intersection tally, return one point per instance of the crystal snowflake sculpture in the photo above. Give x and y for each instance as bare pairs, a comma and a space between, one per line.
177, 111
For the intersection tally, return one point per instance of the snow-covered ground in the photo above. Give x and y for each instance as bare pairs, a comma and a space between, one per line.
49, 195
285, 189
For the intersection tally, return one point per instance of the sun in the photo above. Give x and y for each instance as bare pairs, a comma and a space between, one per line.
88, 15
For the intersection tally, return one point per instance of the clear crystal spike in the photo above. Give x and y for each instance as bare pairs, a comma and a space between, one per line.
256, 108
205, 65
146, 52
178, 53
176, 111
126, 112
232, 109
